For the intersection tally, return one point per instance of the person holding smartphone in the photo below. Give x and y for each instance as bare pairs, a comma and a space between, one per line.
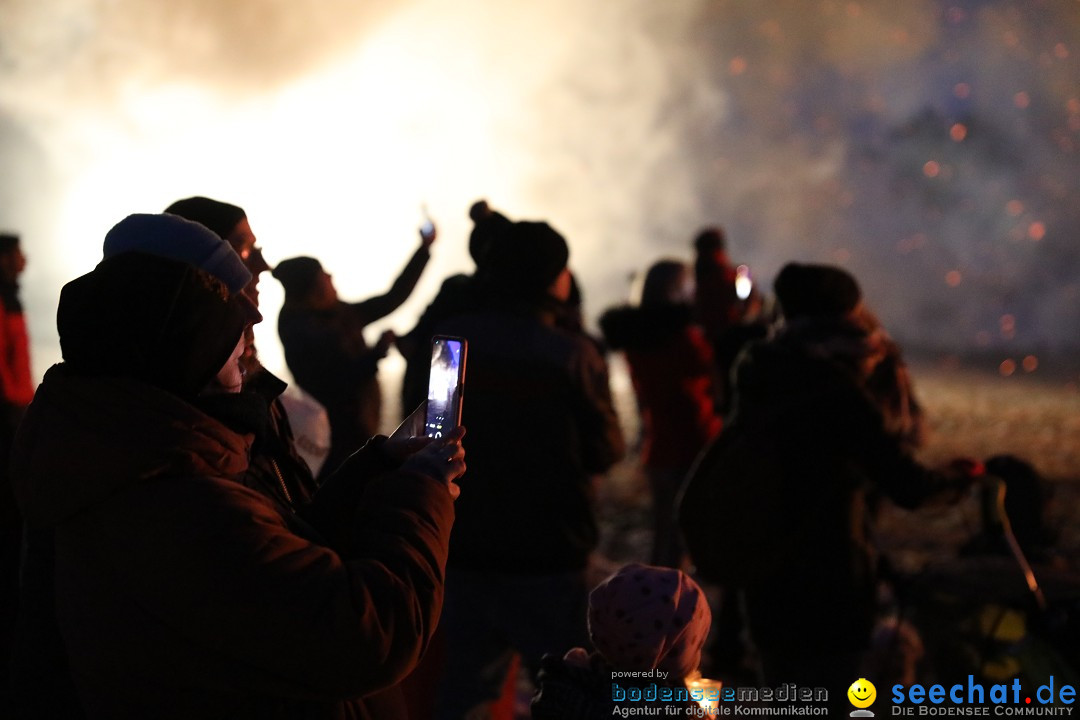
325, 348
179, 592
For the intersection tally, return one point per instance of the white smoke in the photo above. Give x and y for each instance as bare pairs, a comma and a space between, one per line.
801, 126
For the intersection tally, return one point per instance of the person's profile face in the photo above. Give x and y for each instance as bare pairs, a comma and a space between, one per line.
230, 378
242, 240
12, 264
560, 289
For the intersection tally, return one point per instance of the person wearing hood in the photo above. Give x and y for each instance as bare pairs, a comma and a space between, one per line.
671, 369
180, 592
777, 505
648, 625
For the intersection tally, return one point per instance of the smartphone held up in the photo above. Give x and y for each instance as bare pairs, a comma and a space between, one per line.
446, 383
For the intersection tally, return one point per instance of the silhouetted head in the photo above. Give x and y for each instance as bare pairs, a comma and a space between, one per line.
230, 223
221, 217
710, 240
816, 291
159, 319
12, 260
306, 283
488, 226
667, 282
645, 617
528, 263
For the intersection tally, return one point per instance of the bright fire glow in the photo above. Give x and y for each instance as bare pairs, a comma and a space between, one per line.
696, 682
345, 184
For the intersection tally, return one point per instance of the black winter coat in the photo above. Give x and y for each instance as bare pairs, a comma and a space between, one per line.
541, 423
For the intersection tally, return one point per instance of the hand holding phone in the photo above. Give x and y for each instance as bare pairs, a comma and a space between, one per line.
446, 384
427, 227
744, 284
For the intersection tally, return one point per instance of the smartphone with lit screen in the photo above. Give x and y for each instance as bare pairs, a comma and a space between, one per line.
446, 384
744, 285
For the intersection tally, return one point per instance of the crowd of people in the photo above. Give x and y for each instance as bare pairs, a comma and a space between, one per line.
173, 555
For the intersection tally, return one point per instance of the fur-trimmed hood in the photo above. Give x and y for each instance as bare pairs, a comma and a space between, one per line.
642, 327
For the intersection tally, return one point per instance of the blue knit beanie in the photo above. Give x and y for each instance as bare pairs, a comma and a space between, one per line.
173, 237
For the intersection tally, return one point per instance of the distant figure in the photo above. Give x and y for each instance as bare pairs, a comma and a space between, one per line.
16, 392
778, 504
889, 384
725, 305
458, 294
641, 619
671, 367
541, 425
325, 347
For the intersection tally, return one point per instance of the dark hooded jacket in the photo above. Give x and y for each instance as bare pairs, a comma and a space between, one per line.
180, 593
671, 367
541, 423
777, 504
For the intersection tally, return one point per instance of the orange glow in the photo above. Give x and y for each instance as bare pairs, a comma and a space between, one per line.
771, 29
1008, 322
737, 66
958, 132
1014, 207
953, 278
1036, 231
931, 169
1060, 51
1031, 363
1010, 39
1021, 100
962, 90
854, 10
1007, 367
1073, 106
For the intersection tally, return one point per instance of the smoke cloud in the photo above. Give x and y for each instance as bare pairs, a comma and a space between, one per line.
929, 145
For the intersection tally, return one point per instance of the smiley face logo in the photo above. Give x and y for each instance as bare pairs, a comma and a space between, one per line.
862, 693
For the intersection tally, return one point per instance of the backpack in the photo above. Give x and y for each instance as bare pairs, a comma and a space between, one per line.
737, 512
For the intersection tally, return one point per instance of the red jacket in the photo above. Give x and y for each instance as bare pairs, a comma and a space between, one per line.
671, 367
15, 385
180, 593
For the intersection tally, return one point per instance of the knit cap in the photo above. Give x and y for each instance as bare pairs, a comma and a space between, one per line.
816, 291
524, 261
173, 237
221, 217
298, 275
646, 617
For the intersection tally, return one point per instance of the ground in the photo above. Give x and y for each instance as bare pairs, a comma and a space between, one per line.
971, 413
